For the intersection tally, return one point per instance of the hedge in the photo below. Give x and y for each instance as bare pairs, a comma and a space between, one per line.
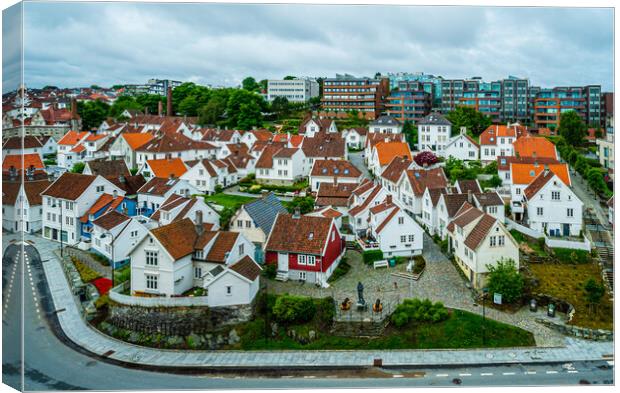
416, 310
371, 256
290, 309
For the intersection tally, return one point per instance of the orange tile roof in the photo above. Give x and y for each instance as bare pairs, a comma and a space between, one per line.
15, 161
526, 173
296, 140
95, 137
78, 149
533, 146
165, 167
490, 135
388, 150
137, 139
72, 137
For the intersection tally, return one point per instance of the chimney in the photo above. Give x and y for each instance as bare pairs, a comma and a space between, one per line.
264, 193
199, 218
546, 169
171, 176
463, 130
74, 114
169, 102
121, 178
425, 165
470, 197
160, 108
335, 181
114, 194
296, 214
146, 110
388, 199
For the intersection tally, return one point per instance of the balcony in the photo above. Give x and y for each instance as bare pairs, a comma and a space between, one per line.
368, 242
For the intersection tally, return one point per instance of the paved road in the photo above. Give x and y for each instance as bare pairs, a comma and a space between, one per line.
358, 161
589, 199
52, 364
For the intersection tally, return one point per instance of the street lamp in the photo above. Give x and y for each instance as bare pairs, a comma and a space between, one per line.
103, 235
484, 327
54, 206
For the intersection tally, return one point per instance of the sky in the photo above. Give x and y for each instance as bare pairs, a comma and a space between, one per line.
79, 44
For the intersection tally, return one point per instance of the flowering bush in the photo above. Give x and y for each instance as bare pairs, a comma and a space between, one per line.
425, 157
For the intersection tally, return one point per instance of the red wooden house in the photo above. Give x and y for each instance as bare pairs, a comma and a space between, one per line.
304, 247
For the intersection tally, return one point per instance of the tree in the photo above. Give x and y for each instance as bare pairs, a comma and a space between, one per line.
121, 104
596, 181
78, 167
304, 204
249, 84
249, 116
473, 120
572, 128
505, 279
594, 292
425, 158
240, 111
95, 87
188, 106
92, 113
280, 106
289, 78
263, 84
150, 102
411, 134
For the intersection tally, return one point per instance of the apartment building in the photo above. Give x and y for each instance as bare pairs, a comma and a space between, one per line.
409, 101
549, 104
346, 93
294, 90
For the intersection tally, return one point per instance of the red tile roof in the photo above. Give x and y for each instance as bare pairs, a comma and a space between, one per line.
337, 168
69, 186
247, 268
15, 161
526, 173
532, 146
302, 235
166, 167
387, 151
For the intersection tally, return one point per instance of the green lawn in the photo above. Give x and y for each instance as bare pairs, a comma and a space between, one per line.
461, 330
227, 200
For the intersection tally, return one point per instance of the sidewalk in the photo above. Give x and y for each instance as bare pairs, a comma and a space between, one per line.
77, 330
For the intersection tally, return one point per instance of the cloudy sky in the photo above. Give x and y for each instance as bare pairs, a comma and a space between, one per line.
106, 43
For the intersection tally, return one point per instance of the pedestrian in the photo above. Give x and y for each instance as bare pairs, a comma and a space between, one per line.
395, 285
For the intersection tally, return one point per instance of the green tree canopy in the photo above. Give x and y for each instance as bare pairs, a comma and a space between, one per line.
473, 120
244, 109
594, 292
572, 128
281, 106
93, 113
304, 204
411, 134
249, 84
122, 103
150, 102
504, 278
78, 167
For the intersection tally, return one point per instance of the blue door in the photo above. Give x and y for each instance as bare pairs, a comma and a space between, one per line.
566, 228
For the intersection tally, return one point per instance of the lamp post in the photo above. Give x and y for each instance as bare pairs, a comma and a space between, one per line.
54, 206
111, 251
484, 327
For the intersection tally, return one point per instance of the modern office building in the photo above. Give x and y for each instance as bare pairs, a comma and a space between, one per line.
294, 90
160, 86
346, 93
549, 104
409, 101
430, 83
515, 100
486, 97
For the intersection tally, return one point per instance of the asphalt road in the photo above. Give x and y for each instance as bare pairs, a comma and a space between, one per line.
357, 159
52, 364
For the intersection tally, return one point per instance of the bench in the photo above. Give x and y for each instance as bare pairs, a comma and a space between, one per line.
381, 263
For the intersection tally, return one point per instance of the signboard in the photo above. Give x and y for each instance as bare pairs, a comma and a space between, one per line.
497, 298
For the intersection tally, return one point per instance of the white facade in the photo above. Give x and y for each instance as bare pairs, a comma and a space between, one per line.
462, 148
154, 201
500, 146
119, 240
294, 90
284, 170
206, 179
433, 137
400, 236
22, 216
354, 139
555, 210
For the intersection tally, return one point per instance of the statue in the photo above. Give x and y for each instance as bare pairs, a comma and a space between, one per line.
377, 307
360, 294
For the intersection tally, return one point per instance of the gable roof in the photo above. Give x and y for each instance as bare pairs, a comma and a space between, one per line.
166, 167
110, 220
29, 160
29, 142
137, 139
526, 173
69, 186
479, 231
222, 245
330, 194
247, 268
490, 135
466, 215
158, 186
395, 168
538, 183
324, 144
503, 162
303, 235
385, 120
454, 202
386, 151
434, 118
72, 137
468, 185
362, 206
421, 179
177, 237
129, 184
395, 210
336, 168
108, 168
264, 211
266, 158
489, 199
534, 146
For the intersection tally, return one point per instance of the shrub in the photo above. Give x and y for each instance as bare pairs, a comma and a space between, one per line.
371, 256
86, 273
102, 301
425, 157
325, 311
504, 278
416, 310
290, 309
342, 269
218, 189
567, 255
419, 264
270, 271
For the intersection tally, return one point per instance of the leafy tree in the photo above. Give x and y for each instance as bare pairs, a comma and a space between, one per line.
93, 113
149, 102
289, 78
263, 84
189, 106
290, 309
249, 116
281, 106
598, 133
594, 292
250, 84
596, 181
240, 110
506, 280
50, 87
304, 204
465, 116
133, 171
425, 157
411, 134
572, 128
314, 103
78, 167
121, 104
95, 87
116, 87
212, 112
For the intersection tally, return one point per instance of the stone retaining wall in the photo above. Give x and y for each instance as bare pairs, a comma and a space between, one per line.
591, 334
176, 321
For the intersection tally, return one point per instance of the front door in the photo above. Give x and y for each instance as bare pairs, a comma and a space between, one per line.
566, 228
282, 262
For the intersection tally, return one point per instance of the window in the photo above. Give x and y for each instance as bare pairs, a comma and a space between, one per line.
248, 224
229, 290
517, 191
411, 238
100, 189
555, 195
151, 258
241, 249
197, 272
134, 234
403, 238
569, 212
493, 241
492, 209
151, 281
333, 235
401, 220
309, 260
539, 211
239, 223
501, 239
199, 254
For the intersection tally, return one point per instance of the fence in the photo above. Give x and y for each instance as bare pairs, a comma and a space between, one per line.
186, 301
523, 229
550, 241
368, 315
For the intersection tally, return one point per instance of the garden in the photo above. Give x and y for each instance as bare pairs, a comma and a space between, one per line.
460, 170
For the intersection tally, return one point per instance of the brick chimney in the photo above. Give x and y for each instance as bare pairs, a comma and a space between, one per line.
160, 108
169, 102
74, 113
470, 197
388, 199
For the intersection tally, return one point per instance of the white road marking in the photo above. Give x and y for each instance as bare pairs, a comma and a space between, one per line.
552, 372
530, 372
465, 375
573, 371
441, 375
309, 376
508, 373
397, 376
